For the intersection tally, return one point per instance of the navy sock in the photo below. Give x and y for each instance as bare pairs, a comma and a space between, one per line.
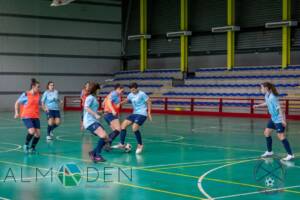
113, 135
269, 143
28, 139
35, 141
123, 136
97, 150
287, 146
49, 129
54, 127
138, 137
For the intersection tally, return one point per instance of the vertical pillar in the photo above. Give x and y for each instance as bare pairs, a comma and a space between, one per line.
286, 34
230, 34
183, 39
143, 30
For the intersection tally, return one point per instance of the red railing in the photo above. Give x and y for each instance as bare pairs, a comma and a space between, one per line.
227, 107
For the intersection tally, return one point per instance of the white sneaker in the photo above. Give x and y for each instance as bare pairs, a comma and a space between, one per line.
288, 157
267, 154
49, 137
139, 149
118, 146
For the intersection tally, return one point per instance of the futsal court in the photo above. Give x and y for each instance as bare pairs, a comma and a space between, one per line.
180, 151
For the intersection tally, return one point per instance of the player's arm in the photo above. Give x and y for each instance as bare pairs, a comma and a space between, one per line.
124, 101
149, 108
17, 109
44, 107
87, 108
110, 106
21, 100
260, 105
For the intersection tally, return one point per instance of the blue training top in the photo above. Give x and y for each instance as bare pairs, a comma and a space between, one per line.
51, 99
92, 103
274, 107
139, 102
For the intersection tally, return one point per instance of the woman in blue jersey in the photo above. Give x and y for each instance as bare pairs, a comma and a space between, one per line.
50, 104
91, 123
141, 104
277, 121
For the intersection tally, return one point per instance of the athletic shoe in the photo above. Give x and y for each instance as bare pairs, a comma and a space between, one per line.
267, 154
49, 137
26, 148
139, 149
99, 159
288, 157
51, 134
118, 146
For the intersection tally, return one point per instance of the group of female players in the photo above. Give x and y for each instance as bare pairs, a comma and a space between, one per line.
141, 104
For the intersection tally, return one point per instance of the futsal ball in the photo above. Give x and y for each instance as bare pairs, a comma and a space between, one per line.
128, 148
269, 182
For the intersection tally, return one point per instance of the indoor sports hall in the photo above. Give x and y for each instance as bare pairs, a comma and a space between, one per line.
150, 99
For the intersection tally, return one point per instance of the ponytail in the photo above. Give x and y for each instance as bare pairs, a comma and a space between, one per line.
271, 87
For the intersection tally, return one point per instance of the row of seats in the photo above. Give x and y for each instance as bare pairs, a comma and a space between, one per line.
125, 93
231, 85
217, 94
246, 68
149, 71
140, 85
247, 77
185, 103
142, 78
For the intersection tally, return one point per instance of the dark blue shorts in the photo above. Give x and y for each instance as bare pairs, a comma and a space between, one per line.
53, 114
32, 123
137, 119
81, 116
276, 126
92, 128
109, 117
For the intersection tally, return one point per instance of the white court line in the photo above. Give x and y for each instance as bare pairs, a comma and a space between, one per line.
257, 192
8, 150
200, 180
2, 198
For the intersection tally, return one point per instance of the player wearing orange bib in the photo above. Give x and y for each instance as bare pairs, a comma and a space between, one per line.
30, 114
112, 110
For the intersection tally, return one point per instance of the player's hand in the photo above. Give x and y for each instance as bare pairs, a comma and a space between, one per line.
114, 113
284, 123
17, 115
255, 106
150, 117
46, 110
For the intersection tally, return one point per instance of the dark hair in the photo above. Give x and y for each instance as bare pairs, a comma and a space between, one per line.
270, 87
34, 82
50, 82
93, 87
118, 85
133, 85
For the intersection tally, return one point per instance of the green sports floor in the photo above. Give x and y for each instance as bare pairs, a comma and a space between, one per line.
185, 157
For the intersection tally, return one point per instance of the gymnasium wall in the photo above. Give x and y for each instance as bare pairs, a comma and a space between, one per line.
68, 45
255, 45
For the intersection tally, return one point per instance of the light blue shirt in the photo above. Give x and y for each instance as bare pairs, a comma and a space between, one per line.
51, 99
23, 99
274, 107
114, 97
139, 102
92, 103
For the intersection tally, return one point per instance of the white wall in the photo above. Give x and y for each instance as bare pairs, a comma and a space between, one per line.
68, 45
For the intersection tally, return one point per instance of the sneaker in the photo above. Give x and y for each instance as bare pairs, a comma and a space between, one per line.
32, 150
118, 146
267, 154
49, 137
99, 158
26, 148
139, 149
288, 157
51, 134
